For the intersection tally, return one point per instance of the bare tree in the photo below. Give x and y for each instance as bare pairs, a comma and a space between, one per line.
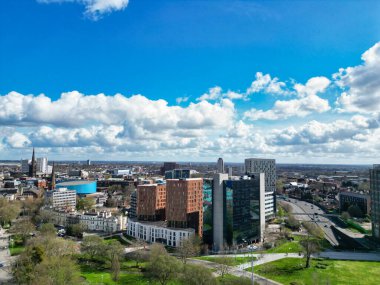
223, 266
310, 246
189, 247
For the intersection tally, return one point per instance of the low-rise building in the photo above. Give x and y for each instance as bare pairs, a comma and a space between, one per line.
158, 232
92, 221
347, 199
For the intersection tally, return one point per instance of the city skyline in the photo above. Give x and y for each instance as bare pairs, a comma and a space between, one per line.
141, 80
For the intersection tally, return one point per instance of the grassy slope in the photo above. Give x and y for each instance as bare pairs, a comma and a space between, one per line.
289, 270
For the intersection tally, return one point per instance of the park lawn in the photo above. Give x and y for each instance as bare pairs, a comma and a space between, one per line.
229, 278
232, 261
16, 250
289, 270
286, 247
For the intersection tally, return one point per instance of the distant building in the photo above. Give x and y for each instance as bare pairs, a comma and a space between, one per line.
347, 199
230, 171
168, 166
267, 166
238, 210
151, 202
374, 175
61, 198
178, 174
25, 165
220, 165
158, 232
42, 165
88, 162
184, 204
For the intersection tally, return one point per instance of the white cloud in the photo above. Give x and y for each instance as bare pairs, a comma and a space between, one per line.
291, 108
95, 9
180, 100
313, 86
361, 84
267, 84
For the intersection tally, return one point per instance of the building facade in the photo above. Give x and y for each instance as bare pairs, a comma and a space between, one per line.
347, 199
97, 221
184, 204
158, 232
61, 198
374, 176
267, 166
220, 165
151, 202
238, 210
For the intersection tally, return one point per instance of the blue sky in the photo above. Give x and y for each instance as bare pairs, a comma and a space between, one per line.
180, 49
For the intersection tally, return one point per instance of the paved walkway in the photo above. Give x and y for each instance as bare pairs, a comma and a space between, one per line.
5, 258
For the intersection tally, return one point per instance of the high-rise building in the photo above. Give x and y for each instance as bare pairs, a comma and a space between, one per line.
25, 165
184, 204
88, 162
267, 166
52, 178
220, 165
238, 210
33, 166
151, 201
178, 174
42, 165
230, 171
374, 176
133, 206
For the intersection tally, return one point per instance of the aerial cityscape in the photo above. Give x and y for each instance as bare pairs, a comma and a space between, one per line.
184, 142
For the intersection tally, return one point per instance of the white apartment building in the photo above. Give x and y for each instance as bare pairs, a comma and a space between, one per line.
61, 198
158, 232
268, 167
97, 221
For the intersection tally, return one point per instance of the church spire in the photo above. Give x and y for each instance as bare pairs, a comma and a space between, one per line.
33, 166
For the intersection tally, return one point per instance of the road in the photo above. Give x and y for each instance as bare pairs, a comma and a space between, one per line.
5, 258
311, 210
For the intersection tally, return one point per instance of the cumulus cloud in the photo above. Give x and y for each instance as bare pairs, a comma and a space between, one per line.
95, 9
265, 83
180, 100
307, 102
361, 84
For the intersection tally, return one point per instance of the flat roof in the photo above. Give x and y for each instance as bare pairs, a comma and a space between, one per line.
71, 183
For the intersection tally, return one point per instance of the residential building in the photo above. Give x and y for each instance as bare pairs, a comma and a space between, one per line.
92, 221
184, 204
62, 198
151, 201
220, 165
42, 165
158, 232
25, 165
267, 166
347, 199
374, 176
132, 212
238, 210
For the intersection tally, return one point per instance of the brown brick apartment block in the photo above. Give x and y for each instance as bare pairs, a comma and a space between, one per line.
151, 201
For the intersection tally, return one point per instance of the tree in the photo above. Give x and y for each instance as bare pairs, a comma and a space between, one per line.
310, 246
293, 223
48, 229
223, 266
23, 228
345, 216
85, 204
162, 267
8, 211
355, 211
114, 248
115, 268
93, 246
57, 271
197, 275
139, 255
76, 230
314, 229
189, 247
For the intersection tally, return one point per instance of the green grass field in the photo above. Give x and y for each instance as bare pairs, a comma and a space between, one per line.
232, 261
16, 250
322, 271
